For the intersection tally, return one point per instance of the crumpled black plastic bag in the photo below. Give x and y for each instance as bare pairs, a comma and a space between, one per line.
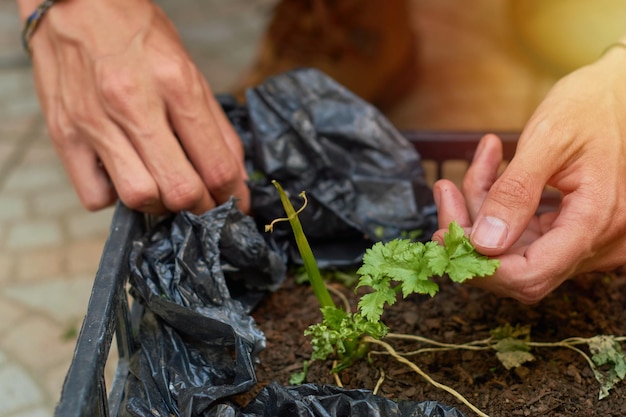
183, 272
364, 180
175, 374
311, 400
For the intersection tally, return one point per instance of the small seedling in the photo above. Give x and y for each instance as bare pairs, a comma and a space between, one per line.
400, 265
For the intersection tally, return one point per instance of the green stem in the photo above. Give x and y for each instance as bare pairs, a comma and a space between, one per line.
317, 282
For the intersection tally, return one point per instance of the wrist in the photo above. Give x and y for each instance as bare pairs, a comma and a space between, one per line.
32, 23
26, 8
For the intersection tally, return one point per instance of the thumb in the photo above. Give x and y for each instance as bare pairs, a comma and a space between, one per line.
508, 208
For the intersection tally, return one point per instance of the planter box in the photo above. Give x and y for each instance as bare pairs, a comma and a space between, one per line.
109, 312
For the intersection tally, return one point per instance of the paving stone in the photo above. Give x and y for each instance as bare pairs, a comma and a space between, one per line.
15, 84
34, 412
11, 313
40, 264
83, 256
54, 202
11, 208
7, 150
23, 105
88, 224
41, 151
20, 99
38, 343
53, 381
13, 129
7, 269
9, 22
17, 389
60, 299
26, 179
34, 234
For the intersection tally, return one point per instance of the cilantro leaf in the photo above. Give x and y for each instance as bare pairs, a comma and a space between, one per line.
471, 265
437, 258
371, 305
463, 261
340, 334
418, 281
409, 266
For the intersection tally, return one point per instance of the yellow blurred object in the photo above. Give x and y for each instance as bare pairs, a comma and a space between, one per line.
566, 34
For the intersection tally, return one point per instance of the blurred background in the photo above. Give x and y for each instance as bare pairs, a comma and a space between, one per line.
479, 65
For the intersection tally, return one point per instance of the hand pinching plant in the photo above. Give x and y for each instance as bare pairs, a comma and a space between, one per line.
403, 266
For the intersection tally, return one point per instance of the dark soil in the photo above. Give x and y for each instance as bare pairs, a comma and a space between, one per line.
558, 383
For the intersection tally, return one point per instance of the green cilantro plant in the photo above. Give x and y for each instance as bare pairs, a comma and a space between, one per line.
400, 265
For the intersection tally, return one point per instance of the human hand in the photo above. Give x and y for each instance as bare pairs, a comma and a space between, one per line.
574, 142
129, 113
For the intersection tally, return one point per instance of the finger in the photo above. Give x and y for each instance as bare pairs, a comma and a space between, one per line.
202, 138
482, 172
228, 131
133, 182
450, 207
531, 276
511, 202
236, 146
557, 255
90, 180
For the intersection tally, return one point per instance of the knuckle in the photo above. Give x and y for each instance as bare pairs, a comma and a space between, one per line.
532, 294
60, 128
469, 188
81, 116
223, 179
512, 191
118, 86
177, 77
541, 126
93, 202
182, 196
532, 289
138, 196
57, 131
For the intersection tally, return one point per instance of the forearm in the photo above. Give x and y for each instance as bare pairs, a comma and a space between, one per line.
26, 7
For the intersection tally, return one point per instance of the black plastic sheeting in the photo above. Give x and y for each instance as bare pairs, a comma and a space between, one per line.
364, 180
199, 277
324, 401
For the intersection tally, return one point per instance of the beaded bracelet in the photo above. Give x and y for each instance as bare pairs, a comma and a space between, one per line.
613, 45
32, 22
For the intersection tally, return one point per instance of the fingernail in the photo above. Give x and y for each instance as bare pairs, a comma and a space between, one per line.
490, 232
